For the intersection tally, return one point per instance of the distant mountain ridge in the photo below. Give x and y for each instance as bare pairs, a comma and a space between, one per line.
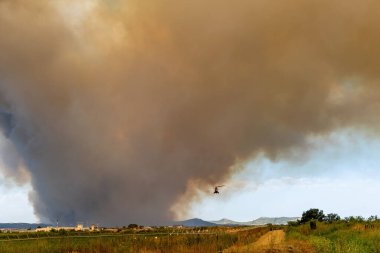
274, 221
187, 223
259, 221
226, 222
195, 223
22, 225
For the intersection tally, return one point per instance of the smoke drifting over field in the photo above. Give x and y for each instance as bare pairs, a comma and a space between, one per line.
115, 107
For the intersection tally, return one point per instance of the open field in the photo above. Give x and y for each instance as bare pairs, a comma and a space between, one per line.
156, 240
335, 237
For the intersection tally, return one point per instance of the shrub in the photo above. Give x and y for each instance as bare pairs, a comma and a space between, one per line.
133, 226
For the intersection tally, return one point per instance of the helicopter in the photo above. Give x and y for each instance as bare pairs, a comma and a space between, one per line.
216, 189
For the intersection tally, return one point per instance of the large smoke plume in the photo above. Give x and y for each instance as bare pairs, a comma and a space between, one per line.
116, 109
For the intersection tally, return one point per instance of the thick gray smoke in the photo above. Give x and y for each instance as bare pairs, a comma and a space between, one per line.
119, 108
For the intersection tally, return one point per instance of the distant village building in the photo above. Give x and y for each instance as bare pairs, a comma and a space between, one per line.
79, 227
45, 229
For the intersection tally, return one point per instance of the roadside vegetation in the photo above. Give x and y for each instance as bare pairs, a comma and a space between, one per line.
317, 232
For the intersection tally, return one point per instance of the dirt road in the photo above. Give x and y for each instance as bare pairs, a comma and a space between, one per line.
271, 238
273, 242
269, 242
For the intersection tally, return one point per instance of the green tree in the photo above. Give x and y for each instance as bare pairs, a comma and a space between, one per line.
312, 214
354, 219
372, 218
331, 217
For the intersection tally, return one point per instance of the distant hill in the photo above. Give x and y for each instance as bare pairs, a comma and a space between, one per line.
22, 225
274, 221
195, 223
259, 221
226, 222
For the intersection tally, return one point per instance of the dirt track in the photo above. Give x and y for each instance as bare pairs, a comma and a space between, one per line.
271, 238
269, 242
272, 242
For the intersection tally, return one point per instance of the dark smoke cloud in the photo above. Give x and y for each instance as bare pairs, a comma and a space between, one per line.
123, 110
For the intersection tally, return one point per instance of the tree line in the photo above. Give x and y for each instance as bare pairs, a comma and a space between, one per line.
315, 214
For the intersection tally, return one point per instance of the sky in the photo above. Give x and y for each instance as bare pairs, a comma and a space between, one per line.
118, 112
341, 175
15, 203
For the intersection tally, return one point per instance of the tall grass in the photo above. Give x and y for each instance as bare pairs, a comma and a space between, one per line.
338, 237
